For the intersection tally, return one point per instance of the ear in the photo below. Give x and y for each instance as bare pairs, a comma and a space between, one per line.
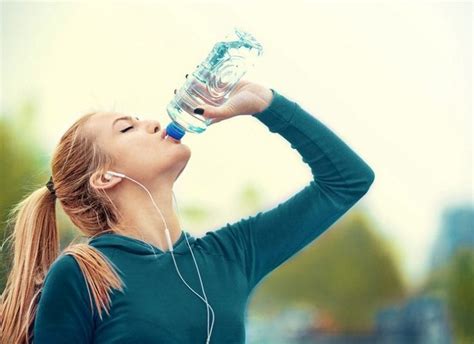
98, 181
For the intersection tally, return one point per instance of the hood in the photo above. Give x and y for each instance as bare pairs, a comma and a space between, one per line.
137, 246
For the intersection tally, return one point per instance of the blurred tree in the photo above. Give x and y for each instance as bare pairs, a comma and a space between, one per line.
453, 282
349, 273
21, 170
25, 167
461, 294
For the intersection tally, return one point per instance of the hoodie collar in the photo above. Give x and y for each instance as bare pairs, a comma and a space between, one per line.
137, 246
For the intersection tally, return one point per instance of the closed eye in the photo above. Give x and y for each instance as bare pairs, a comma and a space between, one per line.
124, 130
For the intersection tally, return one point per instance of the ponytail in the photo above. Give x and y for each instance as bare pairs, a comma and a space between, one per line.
35, 235
36, 246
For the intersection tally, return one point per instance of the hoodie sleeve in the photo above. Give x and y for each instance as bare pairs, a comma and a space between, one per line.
262, 242
64, 313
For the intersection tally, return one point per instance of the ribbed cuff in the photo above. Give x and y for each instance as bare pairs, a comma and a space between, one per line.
278, 114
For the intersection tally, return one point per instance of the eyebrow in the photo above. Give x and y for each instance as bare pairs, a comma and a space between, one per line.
130, 118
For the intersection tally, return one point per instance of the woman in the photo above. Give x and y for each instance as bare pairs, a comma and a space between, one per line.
126, 270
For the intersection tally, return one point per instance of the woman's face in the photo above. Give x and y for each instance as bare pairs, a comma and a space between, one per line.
140, 149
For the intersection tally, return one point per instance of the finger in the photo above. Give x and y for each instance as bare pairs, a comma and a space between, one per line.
215, 111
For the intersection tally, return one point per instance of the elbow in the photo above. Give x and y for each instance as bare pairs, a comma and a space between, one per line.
361, 185
352, 192
367, 180
370, 177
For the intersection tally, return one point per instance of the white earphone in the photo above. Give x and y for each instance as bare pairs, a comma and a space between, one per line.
108, 176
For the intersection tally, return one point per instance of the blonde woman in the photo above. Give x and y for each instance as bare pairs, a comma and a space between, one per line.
122, 286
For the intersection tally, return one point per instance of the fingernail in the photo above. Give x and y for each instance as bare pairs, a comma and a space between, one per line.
199, 111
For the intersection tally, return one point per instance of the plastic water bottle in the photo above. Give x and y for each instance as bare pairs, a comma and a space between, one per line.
211, 82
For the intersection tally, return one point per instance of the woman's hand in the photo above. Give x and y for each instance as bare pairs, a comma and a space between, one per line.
247, 98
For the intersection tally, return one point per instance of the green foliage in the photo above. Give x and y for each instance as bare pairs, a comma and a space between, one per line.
25, 167
21, 171
453, 282
461, 292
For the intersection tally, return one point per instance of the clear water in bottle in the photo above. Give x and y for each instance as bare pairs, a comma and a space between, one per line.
211, 82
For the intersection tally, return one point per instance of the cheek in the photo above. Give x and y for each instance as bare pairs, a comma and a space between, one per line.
139, 146
143, 153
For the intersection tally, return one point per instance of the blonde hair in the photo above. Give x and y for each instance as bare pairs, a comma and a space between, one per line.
35, 234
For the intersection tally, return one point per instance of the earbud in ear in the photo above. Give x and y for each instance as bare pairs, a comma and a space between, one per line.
109, 175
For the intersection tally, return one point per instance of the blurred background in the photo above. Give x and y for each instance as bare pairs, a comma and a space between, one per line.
393, 80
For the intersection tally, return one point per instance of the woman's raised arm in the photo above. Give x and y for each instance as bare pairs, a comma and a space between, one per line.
262, 242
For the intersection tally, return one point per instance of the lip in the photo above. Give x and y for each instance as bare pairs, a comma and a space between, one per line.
168, 138
172, 139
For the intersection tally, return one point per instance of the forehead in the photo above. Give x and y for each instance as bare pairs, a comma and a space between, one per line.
103, 118
100, 123
106, 119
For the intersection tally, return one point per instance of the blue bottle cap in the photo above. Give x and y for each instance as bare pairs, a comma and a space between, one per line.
175, 131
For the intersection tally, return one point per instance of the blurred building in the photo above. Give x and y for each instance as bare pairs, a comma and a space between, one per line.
422, 320
456, 231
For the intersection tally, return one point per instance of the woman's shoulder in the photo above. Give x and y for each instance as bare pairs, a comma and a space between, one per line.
65, 308
85, 274
64, 283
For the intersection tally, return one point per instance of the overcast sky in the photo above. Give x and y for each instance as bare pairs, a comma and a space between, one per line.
392, 79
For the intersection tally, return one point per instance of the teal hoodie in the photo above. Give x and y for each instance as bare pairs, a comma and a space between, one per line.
156, 306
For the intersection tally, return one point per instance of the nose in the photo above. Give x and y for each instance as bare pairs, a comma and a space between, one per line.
153, 127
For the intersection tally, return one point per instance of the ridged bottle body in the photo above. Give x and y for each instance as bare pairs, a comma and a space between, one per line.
211, 82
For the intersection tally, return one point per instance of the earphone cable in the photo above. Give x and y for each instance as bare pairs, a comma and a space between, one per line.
208, 306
